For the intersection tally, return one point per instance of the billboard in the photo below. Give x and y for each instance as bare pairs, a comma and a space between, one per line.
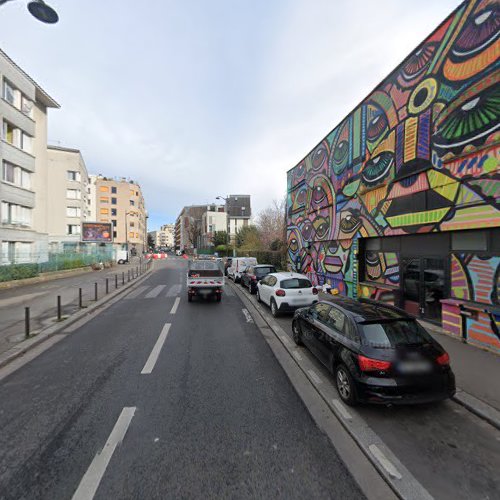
100, 232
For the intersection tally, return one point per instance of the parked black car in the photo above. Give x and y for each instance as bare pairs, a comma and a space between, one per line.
253, 274
377, 353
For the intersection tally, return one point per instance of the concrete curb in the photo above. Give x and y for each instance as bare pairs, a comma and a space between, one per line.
45, 334
479, 408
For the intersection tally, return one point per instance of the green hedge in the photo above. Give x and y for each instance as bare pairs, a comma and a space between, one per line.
275, 258
18, 272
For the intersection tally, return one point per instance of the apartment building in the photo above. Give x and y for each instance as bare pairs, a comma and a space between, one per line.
212, 221
23, 158
120, 202
188, 227
239, 212
68, 197
164, 237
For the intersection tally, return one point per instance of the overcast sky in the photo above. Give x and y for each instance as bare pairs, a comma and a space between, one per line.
199, 98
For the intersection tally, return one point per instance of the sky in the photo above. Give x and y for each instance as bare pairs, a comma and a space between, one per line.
195, 99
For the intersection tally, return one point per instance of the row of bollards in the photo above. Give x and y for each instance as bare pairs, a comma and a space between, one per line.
130, 276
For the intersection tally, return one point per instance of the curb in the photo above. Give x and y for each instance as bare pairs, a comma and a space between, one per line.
45, 334
479, 408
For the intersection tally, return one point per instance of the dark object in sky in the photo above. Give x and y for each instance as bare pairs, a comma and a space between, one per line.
43, 12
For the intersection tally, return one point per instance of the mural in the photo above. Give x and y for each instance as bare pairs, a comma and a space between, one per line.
418, 155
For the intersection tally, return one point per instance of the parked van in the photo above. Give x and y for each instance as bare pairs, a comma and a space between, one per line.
121, 256
238, 265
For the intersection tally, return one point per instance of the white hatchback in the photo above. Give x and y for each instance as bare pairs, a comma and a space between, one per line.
285, 292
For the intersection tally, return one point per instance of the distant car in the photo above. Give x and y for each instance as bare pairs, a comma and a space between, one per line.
253, 274
238, 265
285, 292
178, 253
377, 353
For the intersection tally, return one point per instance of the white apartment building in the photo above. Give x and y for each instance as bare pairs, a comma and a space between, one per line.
211, 222
23, 160
68, 199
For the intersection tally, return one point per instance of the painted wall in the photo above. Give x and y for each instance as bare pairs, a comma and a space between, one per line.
420, 154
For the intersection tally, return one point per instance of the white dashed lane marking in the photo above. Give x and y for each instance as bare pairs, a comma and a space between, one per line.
175, 306
153, 357
136, 292
155, 292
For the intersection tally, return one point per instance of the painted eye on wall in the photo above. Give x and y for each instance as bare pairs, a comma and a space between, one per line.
301, 197
319, 156
475, 118
377, 168
299, 171
376, 126
318, 195
418, 62
293, 245
341, 150
322, 225
480, 31
307, 230
373, 265
349, 221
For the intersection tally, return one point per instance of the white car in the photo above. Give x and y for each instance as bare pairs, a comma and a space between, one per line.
285, 292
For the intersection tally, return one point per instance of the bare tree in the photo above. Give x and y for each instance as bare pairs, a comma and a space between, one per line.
271, 223
194, 231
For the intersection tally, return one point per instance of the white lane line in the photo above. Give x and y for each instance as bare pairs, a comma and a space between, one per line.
248, 316
285, 340
153, 357
384, 461
341, 408
174, 290
90, 481
155, 292
314, 376
136, 292
297, 356
175, 306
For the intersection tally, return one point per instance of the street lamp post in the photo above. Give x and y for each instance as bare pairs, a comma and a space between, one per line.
40, 10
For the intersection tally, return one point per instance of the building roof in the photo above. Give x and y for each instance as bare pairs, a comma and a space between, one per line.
41, 95
61, 148
238, 205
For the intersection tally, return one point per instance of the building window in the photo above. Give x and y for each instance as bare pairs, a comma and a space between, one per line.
132, 192
113, 221
130, 235
469, 240
10, 134
27, 107
114, 234
113, 210
16, 175
73, 175
73, 212
104, 199
16, 252
9, 93
132, 203
73, 194
16, 214
104, 211
113, 201
104, 189
73, 228
113, 189
132, 224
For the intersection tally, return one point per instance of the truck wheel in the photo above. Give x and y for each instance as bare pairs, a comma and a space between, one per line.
121, 261
190, 298
219, 297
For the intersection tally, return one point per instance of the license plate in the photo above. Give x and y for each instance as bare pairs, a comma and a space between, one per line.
414, 367
205, 292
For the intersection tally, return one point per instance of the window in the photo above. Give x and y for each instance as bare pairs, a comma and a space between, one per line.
114, 234
73, 175
130, 235
132, 224
9, 93
394, 333
132, 203
132, 192
469, 240
113, 201
16, 252
104, 199
320, 311
73, 212
27, 107
73, 194
113, 210
113, 221
73, 228
339, 322
26, 142
16, 175
295, 283
104, 189
104, 211
16, 214
113, 189
8, 133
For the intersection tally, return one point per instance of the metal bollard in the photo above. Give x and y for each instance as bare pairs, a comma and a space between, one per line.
116, 281
59, 311
27, 322
123, 277
107, 286
128, 274
95, 291
80, 298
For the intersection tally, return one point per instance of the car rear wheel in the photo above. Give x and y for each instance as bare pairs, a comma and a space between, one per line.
274, 308
345, 385
296, 333
258, 297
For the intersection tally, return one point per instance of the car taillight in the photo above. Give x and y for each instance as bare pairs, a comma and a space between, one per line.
280, 293
315, 291
443, 360
372, 365
253, 278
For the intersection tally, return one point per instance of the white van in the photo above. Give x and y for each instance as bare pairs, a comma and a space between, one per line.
121, 256
238, 265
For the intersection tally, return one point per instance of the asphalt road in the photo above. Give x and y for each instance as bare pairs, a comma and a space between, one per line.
216, 417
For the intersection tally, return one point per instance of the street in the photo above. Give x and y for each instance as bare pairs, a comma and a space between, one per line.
209, 413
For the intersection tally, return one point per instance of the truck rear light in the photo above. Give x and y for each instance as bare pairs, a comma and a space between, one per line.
315, 291
280, 293
372, 365
443, 360
253, 278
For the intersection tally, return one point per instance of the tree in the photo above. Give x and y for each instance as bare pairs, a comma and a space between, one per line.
248, 238
151, 241
194, 231
220, 238
271, 223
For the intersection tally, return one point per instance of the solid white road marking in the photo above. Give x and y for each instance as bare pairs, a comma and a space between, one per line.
153, 357
248, 316
136, 292
341, 408
384, 461
175, 306
314, 376
90, 481
297, 356
155, 292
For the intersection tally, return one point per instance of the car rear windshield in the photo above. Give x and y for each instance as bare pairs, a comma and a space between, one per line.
295, 283
388, 334
261, 271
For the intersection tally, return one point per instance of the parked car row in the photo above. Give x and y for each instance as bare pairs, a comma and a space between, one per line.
376, 352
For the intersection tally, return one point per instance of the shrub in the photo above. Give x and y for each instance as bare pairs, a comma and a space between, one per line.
18, 272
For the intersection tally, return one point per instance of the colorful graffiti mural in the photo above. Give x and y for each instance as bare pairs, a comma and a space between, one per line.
420, 154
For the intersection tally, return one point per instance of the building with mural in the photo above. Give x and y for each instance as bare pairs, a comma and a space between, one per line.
400, 201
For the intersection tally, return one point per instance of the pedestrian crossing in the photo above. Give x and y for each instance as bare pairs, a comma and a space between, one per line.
165, 291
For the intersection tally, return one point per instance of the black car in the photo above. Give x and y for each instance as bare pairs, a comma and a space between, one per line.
377, 353
253, 274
